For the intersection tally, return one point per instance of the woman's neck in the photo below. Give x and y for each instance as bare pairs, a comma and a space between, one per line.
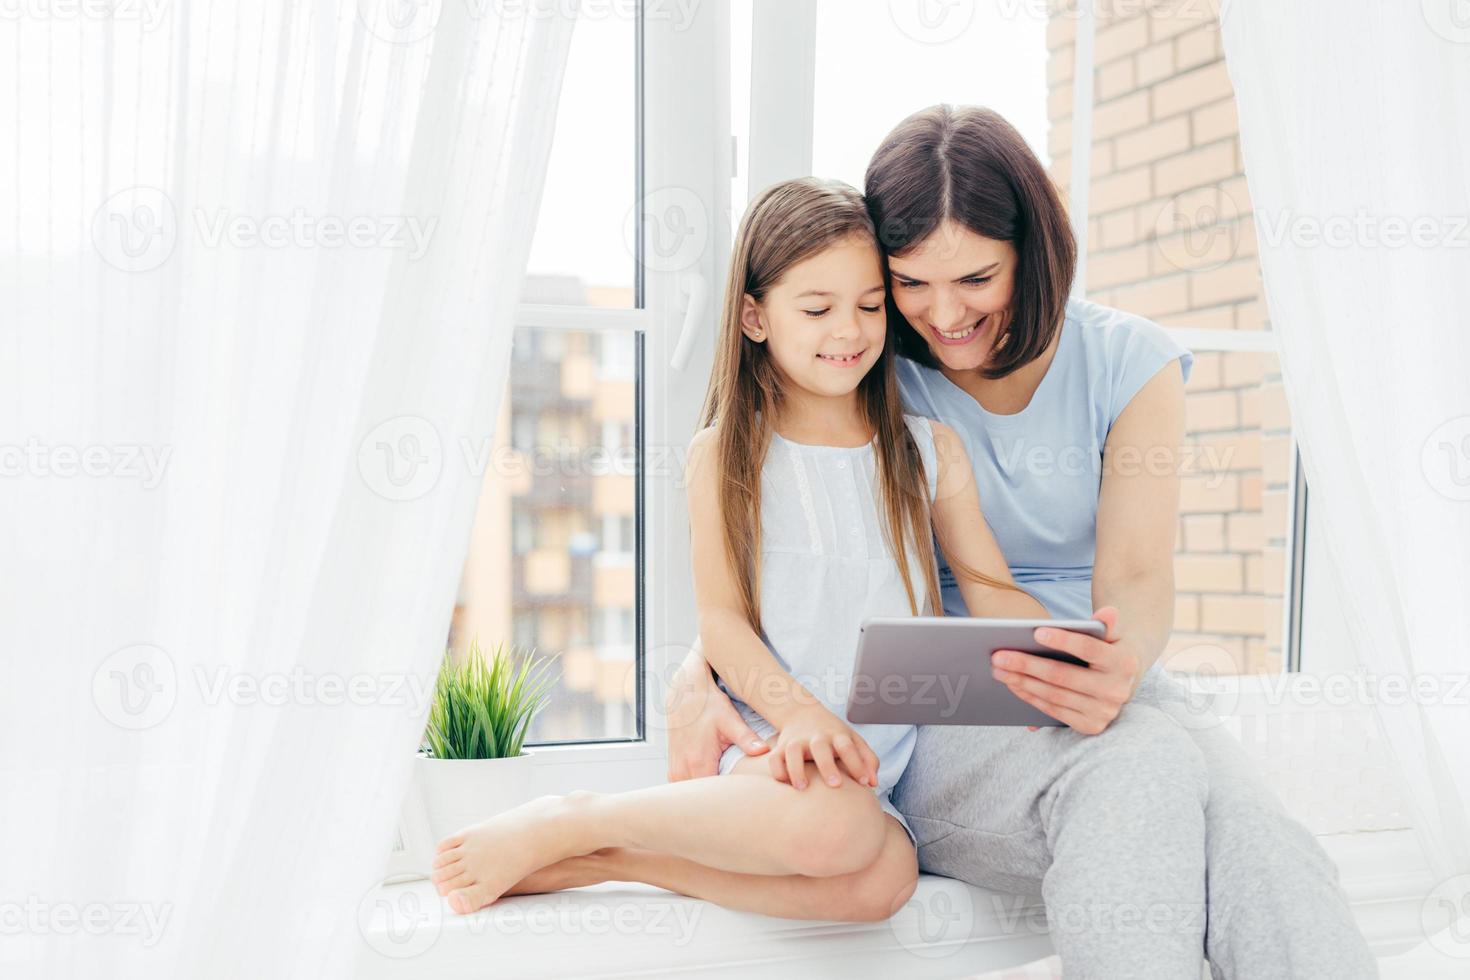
1008, 395
819, 420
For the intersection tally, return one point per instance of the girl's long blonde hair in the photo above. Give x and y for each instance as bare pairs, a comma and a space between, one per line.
787, 223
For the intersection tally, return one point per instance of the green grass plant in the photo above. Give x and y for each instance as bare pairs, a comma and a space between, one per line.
483, 705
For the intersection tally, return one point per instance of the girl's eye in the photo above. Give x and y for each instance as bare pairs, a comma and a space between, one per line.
816, 313
870, 309
979, 281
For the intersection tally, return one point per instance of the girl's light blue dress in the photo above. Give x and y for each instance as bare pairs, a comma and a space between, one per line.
825, 568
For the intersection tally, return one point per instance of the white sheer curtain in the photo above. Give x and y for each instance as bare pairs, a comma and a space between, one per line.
258, 268
1355, 129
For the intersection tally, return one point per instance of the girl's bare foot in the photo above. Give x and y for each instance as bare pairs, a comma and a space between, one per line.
477, 865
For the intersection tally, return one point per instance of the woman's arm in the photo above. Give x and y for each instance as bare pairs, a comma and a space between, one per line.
1137, 515
1133, 572
967, 540
702, 722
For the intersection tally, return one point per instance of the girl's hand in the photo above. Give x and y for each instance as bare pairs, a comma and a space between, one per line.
702, 722
1085, 698
812, 732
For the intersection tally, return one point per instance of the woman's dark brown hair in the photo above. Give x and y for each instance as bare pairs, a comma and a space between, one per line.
968, 165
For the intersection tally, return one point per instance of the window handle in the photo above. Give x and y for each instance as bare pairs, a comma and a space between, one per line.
694, 286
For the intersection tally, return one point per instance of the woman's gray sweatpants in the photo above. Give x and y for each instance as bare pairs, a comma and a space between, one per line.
1152, 845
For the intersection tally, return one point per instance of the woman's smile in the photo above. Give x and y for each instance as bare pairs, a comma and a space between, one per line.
962, 336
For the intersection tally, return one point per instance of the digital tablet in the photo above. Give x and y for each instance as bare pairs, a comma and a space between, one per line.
935, 670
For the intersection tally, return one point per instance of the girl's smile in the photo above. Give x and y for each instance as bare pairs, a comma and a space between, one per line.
844, 360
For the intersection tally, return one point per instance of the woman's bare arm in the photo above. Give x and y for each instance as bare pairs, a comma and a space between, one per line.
1133, 573
702, 722
1138, 513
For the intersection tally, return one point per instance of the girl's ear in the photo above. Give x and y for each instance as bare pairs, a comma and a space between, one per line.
750, 319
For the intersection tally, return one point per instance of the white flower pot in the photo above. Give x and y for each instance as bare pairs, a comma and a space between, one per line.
460, 792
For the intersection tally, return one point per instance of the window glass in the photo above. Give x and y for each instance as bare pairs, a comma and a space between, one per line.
579, 255
552, 560
879, 62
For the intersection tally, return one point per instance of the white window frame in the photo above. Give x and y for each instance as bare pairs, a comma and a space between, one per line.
685, 92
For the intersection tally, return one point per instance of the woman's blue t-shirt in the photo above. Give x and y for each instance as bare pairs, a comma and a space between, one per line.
1039, 471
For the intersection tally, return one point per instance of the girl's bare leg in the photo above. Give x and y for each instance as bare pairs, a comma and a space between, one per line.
875, 892
745, 822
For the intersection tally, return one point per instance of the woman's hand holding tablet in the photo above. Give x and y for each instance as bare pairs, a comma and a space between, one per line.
936, 670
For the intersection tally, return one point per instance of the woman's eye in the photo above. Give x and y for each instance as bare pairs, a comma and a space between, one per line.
977, 281
816, 313
909, 284
870, 309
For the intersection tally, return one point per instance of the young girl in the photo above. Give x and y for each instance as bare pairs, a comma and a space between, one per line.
804, 485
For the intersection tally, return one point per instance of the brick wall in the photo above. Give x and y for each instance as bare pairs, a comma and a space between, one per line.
1171, 237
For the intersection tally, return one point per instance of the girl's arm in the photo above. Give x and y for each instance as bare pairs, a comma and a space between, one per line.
967, 540
738, 655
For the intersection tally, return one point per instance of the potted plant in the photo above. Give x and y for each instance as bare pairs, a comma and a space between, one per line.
472, 764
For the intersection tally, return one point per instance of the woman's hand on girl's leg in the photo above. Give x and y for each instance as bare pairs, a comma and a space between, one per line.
702, 723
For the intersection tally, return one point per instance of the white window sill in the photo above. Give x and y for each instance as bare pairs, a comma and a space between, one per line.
630, 930
950, 929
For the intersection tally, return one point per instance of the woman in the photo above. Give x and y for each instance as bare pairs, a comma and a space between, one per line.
1147, 833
